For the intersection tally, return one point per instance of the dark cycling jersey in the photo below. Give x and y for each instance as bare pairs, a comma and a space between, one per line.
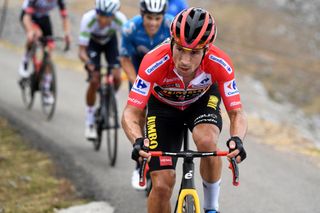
40, 8
157, 76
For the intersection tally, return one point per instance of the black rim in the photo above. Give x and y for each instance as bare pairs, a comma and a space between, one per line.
112, 128
48, 109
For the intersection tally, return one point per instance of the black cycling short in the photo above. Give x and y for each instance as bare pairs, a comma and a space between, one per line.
165, 124
110, 50
43, 22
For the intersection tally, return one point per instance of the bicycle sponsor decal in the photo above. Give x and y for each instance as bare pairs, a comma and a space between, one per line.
157, 64
152, 132
141, 86
188, 175
230, 88
165, 161
222, 62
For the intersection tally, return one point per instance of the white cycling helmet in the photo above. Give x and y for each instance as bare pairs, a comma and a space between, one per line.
153, 6
107, 7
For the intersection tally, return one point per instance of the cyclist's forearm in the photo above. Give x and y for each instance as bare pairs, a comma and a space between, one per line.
238, 123
128, 68
132, 123
83, 54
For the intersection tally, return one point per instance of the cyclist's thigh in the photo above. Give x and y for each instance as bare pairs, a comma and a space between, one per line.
45, 25
111, 52
206, 110
164, 128
94, 50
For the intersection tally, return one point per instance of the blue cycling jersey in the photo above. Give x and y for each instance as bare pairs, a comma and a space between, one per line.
176, 6
135, 41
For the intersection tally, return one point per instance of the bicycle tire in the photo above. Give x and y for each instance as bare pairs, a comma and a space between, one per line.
188, 204
99, 129
112, 126
49, 109
28, 91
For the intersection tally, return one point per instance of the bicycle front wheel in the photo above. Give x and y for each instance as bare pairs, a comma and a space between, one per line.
27, 86
112, 126
99, 129
48, 95
188, 205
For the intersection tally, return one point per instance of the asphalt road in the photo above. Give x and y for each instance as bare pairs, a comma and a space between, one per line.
271, 181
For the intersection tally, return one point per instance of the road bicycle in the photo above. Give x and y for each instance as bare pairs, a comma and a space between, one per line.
106, 116
35, 82
188, 199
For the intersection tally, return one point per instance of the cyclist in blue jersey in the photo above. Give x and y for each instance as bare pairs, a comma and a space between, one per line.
176, 6
140, 35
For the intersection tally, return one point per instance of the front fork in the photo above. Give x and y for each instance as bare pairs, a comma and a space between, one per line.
188, 187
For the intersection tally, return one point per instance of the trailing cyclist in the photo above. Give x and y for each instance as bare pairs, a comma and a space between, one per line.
36, 23
182, 82
140, 35
98, 34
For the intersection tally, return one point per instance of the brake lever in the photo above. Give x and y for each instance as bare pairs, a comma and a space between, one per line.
235, 171
142, 172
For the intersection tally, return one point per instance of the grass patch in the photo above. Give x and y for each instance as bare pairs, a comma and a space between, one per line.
27, 181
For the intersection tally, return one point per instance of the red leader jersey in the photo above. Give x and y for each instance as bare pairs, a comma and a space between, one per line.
157, 75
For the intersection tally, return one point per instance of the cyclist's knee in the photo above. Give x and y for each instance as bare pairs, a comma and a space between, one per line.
206, 137
162, 183
94, 81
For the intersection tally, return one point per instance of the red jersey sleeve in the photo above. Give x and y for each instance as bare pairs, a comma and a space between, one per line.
151, 69
223, 71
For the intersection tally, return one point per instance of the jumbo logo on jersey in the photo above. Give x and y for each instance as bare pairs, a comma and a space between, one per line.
141, 86
222, 62
230, 88
157, 64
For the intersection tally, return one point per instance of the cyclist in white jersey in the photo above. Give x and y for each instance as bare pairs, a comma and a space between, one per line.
98, 34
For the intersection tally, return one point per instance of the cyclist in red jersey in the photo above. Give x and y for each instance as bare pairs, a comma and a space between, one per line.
182, 82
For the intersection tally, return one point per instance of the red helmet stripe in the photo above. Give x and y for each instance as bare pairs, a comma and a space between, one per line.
212, 33
203, 30
183, 24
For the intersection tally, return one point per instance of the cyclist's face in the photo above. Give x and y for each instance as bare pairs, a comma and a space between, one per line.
151, 23
186, 61
104, 21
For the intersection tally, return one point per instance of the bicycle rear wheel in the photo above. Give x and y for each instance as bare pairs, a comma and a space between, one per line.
28, 89
112, 126
188, 204
48, 108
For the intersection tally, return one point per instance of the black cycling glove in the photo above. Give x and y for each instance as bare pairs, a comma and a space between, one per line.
239, 146
137, 146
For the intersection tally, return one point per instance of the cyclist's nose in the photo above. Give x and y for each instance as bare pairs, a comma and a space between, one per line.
185, 58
